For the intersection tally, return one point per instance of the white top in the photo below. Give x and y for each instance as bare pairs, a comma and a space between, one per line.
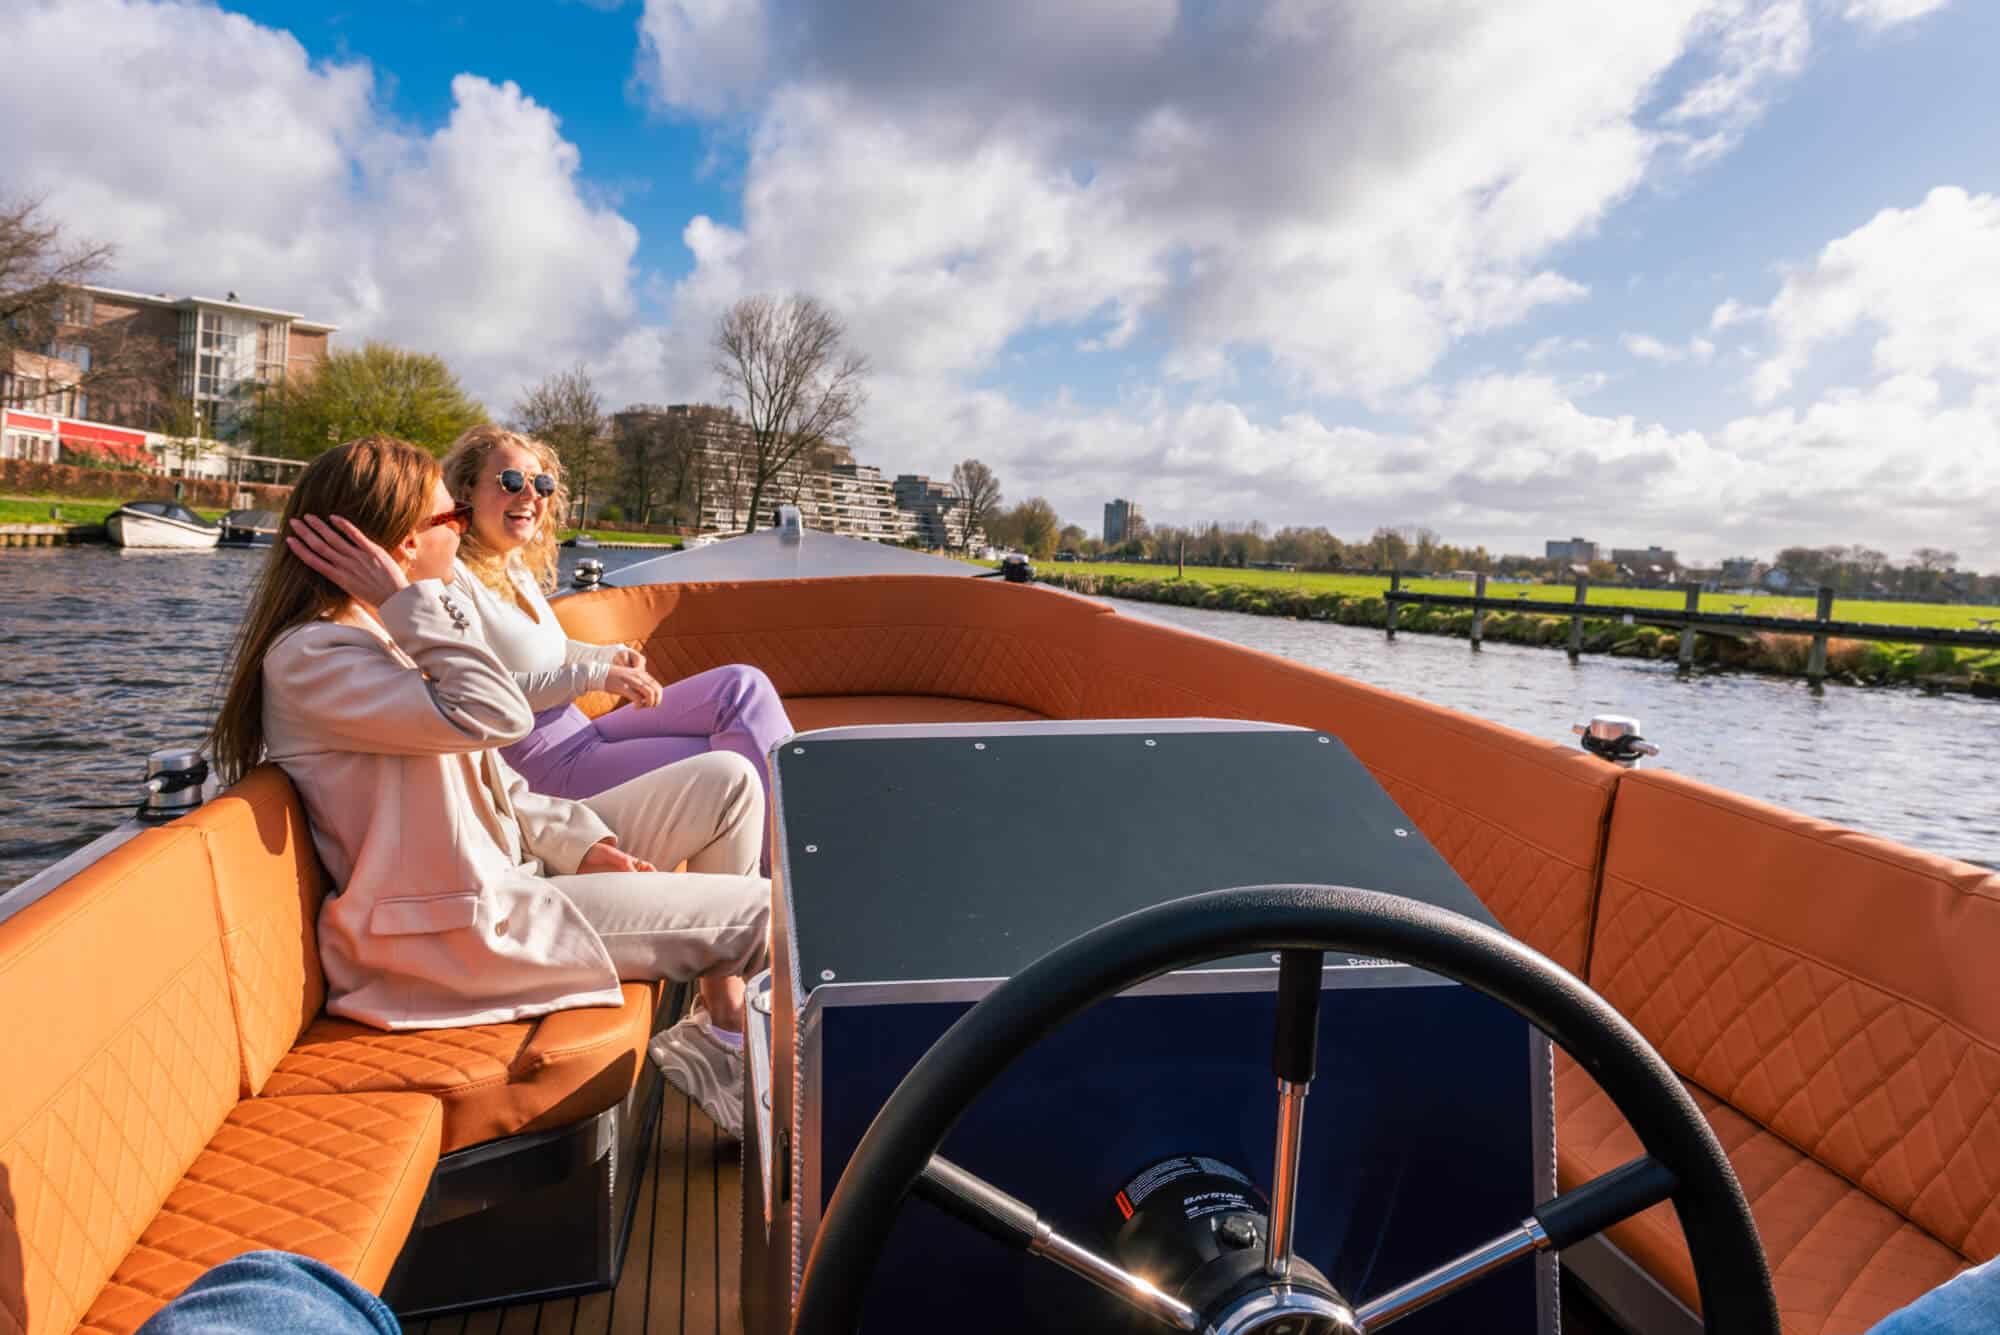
550, 668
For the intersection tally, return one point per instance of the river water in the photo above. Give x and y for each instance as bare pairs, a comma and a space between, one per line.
106, 654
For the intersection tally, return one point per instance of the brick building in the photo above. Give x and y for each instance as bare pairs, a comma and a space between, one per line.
211, 353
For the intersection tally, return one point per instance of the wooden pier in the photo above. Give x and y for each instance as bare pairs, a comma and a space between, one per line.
35, 535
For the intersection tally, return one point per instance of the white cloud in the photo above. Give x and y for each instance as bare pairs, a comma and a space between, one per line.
1887, 13
1762, 43
1733, 312
1648, 348
1293, 180
1924, 280
217, 156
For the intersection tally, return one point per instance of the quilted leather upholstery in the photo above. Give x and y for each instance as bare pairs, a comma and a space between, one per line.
117, 1061
1836, 989
901, 635
1840, 1260
334, 1177
493, 1080
268, 885
808, 712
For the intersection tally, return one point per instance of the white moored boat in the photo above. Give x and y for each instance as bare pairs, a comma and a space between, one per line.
160, 524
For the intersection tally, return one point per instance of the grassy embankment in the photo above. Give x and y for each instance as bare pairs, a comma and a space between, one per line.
35, 510
1356, 600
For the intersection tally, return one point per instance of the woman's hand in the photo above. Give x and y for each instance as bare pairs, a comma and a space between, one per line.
605, 855
626, 656
634, 683
348, 557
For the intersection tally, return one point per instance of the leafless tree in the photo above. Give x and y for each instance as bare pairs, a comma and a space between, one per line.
978, 498
784, 366
50, 344
564, 412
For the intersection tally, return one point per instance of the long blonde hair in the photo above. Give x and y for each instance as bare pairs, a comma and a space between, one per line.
464, 464
383, 487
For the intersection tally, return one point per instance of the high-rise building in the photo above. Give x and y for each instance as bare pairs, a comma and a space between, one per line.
1122, 522
856, 500
1576, 551
213, 352
937, 514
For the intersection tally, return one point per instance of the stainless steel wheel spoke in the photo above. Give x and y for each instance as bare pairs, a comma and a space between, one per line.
971, 1198
1294, 1053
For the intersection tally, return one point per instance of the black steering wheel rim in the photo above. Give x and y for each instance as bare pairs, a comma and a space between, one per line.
1731, 1275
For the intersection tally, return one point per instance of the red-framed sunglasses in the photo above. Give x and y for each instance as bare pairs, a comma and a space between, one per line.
459, 517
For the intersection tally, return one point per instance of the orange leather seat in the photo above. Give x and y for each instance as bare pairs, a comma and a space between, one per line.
1831, 999
808, 712
493, 1080
128, 1159
337, 1178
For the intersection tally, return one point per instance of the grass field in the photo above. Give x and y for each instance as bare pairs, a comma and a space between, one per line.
1887, 614
35, 510
620, 535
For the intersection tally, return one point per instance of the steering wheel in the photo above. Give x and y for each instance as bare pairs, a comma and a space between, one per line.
1683, 1161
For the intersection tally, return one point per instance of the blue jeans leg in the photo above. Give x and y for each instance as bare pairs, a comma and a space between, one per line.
273, 1291
1967, 1305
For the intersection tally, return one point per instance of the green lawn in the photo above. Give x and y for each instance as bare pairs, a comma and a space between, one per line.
35, 510
620, 535
1888, 614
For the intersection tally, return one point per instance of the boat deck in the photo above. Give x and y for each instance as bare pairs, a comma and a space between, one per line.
680, 1275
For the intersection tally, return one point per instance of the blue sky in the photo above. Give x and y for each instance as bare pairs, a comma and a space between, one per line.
1323, 262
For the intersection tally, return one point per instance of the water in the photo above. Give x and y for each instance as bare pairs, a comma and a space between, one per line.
106, 654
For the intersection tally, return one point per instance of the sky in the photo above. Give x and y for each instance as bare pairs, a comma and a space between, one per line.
1721, 275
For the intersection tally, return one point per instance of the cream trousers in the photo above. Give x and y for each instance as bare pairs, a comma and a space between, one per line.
714, 918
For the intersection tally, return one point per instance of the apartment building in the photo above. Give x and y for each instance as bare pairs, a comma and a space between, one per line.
1122, 521
855, 499
937, 517
213, 353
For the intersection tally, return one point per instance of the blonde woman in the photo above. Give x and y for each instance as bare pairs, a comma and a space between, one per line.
462, 897
514, 486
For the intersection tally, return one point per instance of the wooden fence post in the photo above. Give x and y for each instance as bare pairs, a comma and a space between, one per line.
1389, 602
1576, 618
1816, 664
1478, 613
1687, 631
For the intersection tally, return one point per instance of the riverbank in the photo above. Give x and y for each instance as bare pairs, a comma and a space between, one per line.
1849, 662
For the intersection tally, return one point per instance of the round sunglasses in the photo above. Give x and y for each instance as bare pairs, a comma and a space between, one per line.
513, 479
459, 517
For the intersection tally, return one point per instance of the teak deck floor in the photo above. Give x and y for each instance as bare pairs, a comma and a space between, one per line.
680, 1274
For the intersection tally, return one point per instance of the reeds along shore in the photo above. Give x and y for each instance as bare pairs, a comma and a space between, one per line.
1851, 662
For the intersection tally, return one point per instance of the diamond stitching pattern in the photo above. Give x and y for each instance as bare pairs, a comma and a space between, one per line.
1840, 1260
336, 1057
310, 1175
1892, 1097
90, 1168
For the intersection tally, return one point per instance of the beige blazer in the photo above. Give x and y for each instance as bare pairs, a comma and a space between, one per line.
443, 914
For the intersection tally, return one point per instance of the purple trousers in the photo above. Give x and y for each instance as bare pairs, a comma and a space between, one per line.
732, 708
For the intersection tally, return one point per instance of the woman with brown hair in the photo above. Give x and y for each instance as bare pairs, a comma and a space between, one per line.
463, 897
513, 483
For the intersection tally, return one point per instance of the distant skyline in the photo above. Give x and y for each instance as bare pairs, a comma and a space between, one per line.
1722, 275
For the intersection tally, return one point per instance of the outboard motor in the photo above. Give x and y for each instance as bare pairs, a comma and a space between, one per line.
1014, 568
174, 779
1614, 737
589, 574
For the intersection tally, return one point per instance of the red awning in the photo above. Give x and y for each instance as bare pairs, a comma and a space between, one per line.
103, 435
27, 423
119, 450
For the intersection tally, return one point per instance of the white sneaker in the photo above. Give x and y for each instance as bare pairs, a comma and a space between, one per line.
704, 1068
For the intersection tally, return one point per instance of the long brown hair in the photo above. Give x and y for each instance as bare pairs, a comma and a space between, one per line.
464, 464
383, 487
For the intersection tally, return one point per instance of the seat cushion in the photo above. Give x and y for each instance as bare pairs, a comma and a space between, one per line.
1840, 1259
808, 712
335, 1177
493, 1080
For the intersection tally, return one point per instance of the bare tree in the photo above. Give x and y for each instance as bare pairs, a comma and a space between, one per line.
53, 351
565, 413
978, 498
796, 386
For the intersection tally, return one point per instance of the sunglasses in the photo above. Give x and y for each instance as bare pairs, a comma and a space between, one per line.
459, 517
513, 479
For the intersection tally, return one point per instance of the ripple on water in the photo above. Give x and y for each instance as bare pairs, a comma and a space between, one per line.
108, 654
